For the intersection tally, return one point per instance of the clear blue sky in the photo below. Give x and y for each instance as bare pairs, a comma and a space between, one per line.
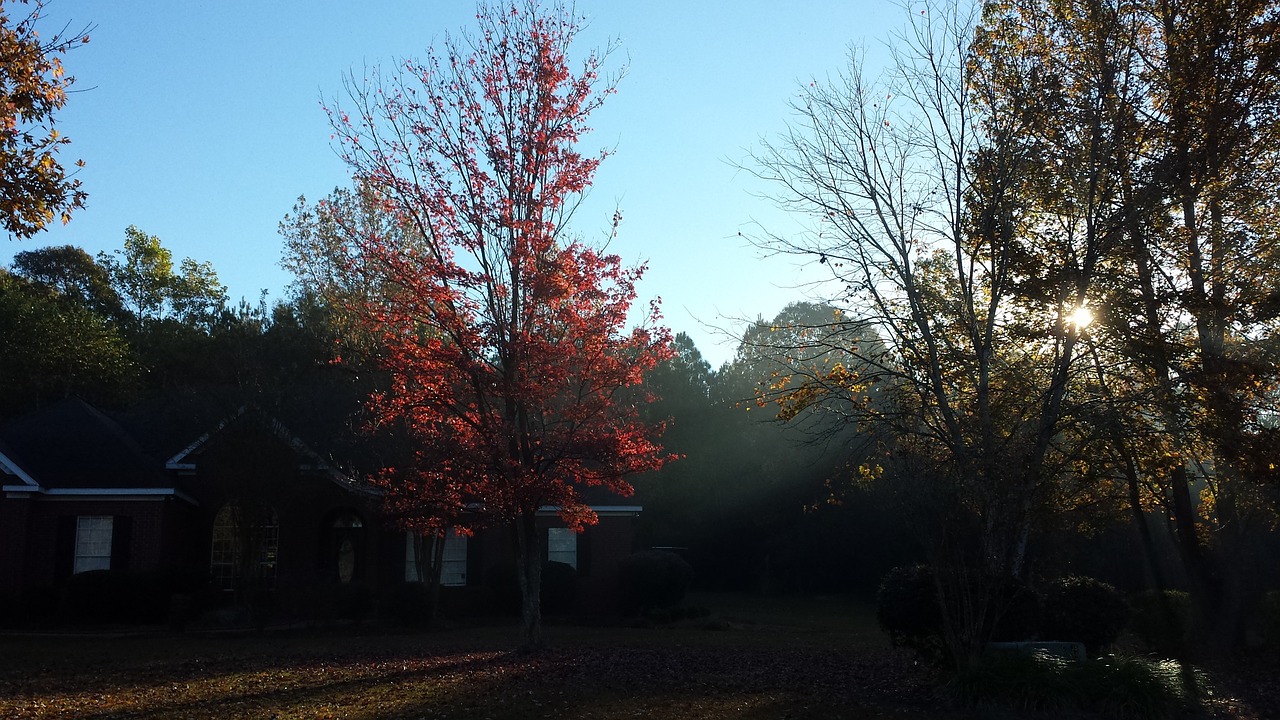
199, 122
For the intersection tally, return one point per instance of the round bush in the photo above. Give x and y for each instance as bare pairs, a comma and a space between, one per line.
559, 587
908, 611
653, 579
1083, 609
352, 601
1019, 610
408, 604
122, 596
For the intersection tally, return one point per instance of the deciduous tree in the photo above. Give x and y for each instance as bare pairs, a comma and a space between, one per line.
504, 335
143, 276
34, 187
962, 205
54, 347
74, 274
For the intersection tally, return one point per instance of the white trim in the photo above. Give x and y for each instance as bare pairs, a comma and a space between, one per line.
600, 510
175, 462
112, 491
102, 493
617, 509
293, 441
11, 468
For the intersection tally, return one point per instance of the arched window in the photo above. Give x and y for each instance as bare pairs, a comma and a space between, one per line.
246, 539
346, 540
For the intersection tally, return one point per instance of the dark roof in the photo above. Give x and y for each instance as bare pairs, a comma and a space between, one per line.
322, 419
70, 444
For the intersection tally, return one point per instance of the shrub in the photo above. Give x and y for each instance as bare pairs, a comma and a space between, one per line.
908, 611
676, 613
653, 579
1111, 686
559, 587
1019, 610
1082, 609
911, 613
121, 596
1162, 619
408, 604
352, 601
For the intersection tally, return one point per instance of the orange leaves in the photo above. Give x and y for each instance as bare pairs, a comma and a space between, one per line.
37, 188
511, 369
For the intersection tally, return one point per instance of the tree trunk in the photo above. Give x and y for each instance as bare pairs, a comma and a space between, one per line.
529, 569
437, 568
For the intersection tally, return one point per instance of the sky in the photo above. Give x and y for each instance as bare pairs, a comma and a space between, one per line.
200, 122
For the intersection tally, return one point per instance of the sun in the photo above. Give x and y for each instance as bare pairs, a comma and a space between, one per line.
1080, 318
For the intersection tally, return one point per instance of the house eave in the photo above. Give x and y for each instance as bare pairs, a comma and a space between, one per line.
131, 494
9, 467
599, 510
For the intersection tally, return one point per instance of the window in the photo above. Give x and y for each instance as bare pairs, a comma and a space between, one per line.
453, 565
93, 544
562, 546
245, 542
346, 534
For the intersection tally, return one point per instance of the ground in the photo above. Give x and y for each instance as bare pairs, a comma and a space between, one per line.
818, 658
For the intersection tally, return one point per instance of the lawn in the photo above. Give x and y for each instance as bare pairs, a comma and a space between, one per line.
753, 658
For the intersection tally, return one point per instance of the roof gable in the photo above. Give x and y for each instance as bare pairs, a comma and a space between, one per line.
71, 444
187, 459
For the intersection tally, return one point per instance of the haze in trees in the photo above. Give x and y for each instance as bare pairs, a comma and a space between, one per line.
1010, 169
909, 185
753, 503
503, 334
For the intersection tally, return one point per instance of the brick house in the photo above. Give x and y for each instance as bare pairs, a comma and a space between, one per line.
240, 502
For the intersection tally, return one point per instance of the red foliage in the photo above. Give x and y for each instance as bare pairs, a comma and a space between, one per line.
505, 338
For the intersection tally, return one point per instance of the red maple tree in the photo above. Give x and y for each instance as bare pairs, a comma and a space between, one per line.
504, 335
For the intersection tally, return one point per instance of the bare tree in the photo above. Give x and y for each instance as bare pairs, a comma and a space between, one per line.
962, 203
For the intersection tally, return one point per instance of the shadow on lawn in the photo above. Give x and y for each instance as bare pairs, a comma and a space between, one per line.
612, 674
337, 689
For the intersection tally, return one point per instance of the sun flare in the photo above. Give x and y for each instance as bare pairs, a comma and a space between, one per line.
1080, 318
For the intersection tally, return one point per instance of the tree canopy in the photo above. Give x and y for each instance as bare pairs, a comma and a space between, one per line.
504, 336
34, 188
1014, 170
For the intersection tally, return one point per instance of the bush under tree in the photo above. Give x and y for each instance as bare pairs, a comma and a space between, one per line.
1083, 609
653, 579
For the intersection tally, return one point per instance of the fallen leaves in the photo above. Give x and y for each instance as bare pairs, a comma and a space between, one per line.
355, 678
613, 674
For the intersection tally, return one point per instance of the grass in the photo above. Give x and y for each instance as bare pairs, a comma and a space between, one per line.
818, 658
748, 658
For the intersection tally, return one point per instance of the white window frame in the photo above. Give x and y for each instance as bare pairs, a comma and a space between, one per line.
227, 539
94, 536
562, 546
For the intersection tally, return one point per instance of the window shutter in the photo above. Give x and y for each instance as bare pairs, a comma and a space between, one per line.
121, 541
475, 556
64, 547
584, 550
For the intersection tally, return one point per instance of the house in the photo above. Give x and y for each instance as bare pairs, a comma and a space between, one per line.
240, 504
